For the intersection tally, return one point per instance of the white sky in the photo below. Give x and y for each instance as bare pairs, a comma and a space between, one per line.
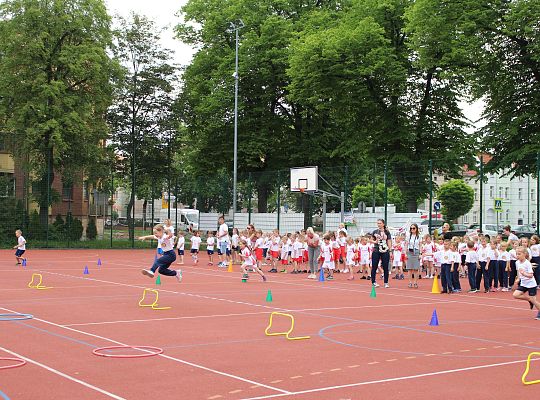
164, 13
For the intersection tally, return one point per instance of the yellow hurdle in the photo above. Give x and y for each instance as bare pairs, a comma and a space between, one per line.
154, 305
33, 285
286, 334
524, 377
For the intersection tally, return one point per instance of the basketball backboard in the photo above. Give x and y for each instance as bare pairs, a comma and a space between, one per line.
304, 179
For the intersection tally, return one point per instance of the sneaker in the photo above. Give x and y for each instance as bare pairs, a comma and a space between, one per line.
283, 271
455, 291
148, 272
346, 271
471, 291
363, 278
504, 289
386, 285
538, 316
312, 276
375, 284
409, 285
264, 278
179, 275
329, 278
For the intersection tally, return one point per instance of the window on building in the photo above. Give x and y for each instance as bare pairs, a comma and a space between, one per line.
466, 219
475, 194
492, 192
67, 191
475, 217
506, 192
520, 194
507, 215
500, 192
85, 190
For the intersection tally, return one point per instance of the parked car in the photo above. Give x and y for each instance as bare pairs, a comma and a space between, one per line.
490, 230
524, 231
435, 224
459, 230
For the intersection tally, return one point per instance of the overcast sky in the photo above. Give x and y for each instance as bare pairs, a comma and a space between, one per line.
164, 13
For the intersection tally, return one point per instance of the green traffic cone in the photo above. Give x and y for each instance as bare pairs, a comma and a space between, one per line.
373, 292
158, 280
269, 296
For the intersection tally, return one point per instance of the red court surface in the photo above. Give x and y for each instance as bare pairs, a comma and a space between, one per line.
214, 345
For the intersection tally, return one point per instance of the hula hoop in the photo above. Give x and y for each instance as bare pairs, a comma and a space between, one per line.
147, 353
20, 362
15, 317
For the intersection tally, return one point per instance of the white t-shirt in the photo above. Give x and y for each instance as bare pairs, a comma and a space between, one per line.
326, 252
247, 256
195, 242
234, 240
462, 248
21, 243
525, 266
535, 250
471, 257
181, 242
166, 243
298, 249
169, 229
447, 257
210, 243
223, 230
504, 256
483, 253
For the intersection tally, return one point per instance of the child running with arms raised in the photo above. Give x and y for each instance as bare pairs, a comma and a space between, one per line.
162, 264
526, 289
21, 246
249, 261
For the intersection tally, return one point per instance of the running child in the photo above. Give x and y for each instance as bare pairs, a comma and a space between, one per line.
21, 247
195, 246
527, 287
249, 262
162, 264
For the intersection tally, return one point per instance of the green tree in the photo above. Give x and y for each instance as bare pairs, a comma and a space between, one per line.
365, 193
274, 131
141, 117
495, 46
54, 85
357, 65
457, 199
91, 229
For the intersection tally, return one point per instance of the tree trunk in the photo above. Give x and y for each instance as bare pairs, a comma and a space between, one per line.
45, 190
262, 197
145, 204
408, 190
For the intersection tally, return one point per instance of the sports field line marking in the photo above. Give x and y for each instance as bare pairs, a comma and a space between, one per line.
215, 371
63, 375
400, 378
315, 373
353, 366
167, 319
3, 395
235, 391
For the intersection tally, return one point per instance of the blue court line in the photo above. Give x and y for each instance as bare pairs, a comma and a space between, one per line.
58, 335
4, 396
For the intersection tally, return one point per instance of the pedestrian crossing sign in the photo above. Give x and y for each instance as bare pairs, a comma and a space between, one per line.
498, 205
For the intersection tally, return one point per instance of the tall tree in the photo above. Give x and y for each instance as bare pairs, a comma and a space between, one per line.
54, 85
141, 117
496, 45
358, 66
274, 132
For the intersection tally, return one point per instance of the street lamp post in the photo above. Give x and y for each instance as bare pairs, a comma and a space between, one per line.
236, 27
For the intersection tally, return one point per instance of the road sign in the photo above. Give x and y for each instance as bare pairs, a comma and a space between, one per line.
498, 205
437, 206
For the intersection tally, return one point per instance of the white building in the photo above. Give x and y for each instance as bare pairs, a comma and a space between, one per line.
517, 195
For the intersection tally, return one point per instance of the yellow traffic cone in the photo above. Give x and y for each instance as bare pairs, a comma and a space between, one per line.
230, 269
435, 288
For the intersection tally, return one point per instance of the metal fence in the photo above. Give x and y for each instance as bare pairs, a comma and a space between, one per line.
104, 214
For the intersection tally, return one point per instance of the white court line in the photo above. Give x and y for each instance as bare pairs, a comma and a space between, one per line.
401, 378
167, 319
63, 375
240, 314
215, 371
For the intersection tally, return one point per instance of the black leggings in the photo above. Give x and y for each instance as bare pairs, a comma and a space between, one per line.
385, 261
163, 263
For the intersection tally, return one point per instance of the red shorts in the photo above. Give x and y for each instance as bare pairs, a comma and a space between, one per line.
306, 256
274, 254
259, 253
284, 262
343, 252
337, 253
